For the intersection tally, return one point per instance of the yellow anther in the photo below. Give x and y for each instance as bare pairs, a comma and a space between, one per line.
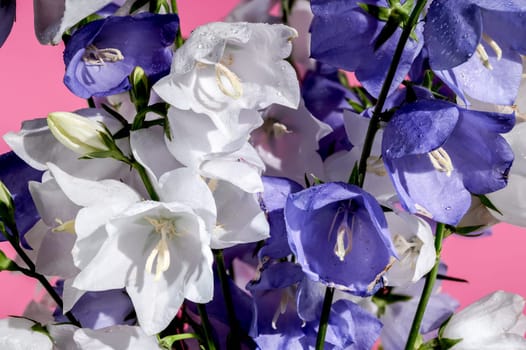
441, 160
68, 226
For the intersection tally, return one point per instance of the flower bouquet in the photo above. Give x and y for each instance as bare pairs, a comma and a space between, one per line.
283, 179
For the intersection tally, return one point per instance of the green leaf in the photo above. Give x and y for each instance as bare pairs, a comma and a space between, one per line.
487, 203
168, 341
7, 264
355, 174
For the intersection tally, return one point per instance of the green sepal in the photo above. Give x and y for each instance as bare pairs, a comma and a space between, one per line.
465, 230
160, 108
306, 179
382, 299
446, 343
355, 175
137, 5
140, 88
378, 12
7, 264
487, 203
166, 128
358, 108
167, 342
451, 278
115, 114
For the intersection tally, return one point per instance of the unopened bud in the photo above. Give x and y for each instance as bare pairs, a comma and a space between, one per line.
80, 134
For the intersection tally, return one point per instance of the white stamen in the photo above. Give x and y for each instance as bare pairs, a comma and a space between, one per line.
423, 211
343, 244
160, 253
405, 247
441, 160
235, 90
494, 46
274, 128
282, 307
98, 57
483, 55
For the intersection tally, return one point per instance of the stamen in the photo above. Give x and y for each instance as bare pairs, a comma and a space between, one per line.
282, 307
406, 247
98, 57
344, 234
494, 46
483, 55
375, 165
68, 226
423, 211
274, 128
160, 253
235, 90
441, 160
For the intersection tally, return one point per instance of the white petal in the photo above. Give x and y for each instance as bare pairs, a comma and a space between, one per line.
119, 337
16, 334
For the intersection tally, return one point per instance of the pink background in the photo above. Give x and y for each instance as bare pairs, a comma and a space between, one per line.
31, 87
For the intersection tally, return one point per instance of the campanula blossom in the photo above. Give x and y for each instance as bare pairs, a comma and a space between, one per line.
100, 56
7, 18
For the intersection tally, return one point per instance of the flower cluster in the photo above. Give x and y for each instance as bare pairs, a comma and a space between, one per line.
268, 182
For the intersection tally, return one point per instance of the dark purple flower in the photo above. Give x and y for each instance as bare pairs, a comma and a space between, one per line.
343, 35
100, 56
16, 174
7, 18
470, 46
339, 235
438, 153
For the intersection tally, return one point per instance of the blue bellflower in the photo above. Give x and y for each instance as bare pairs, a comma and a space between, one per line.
7, 18
16, 174
437, 154
343, 35
100, 56
470, 46
339, 235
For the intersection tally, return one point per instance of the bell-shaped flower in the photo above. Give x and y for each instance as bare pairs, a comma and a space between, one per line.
469, 44
437, 154
198, 144
253, 11
225, 67
493, 322
339, 236
510, 200
343, 35
287, 142
100, 56
414, 243
168, 260
7, 18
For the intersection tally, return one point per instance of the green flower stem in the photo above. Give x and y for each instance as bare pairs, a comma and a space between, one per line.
145, 179
324, 319
431, 278
374, 124
31, 272
235, 336
207, 327
179, 37
286, 8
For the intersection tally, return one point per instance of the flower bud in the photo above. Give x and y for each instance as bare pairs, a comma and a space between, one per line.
79, 134
7, 207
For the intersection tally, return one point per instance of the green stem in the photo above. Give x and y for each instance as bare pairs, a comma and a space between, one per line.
234, 336
145, 179
179, 37
31, 272
324, 318
427, 291
375, 120
286, 8
207, 327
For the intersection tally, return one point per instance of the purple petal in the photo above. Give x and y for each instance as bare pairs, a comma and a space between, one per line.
7, 18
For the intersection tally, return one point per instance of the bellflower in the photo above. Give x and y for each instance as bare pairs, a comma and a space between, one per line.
100, 56
343, 35
225, 67
179, 262
287, 142
493, 322
437, 154
17, 334
468, 41
339, 235
7, 18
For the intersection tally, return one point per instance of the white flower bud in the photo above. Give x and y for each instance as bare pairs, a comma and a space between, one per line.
79, 134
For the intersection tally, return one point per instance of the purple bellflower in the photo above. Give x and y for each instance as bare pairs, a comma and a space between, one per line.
470, 46
100, 56
344, 35
7, 18
437, 154
15, 174
339, 235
